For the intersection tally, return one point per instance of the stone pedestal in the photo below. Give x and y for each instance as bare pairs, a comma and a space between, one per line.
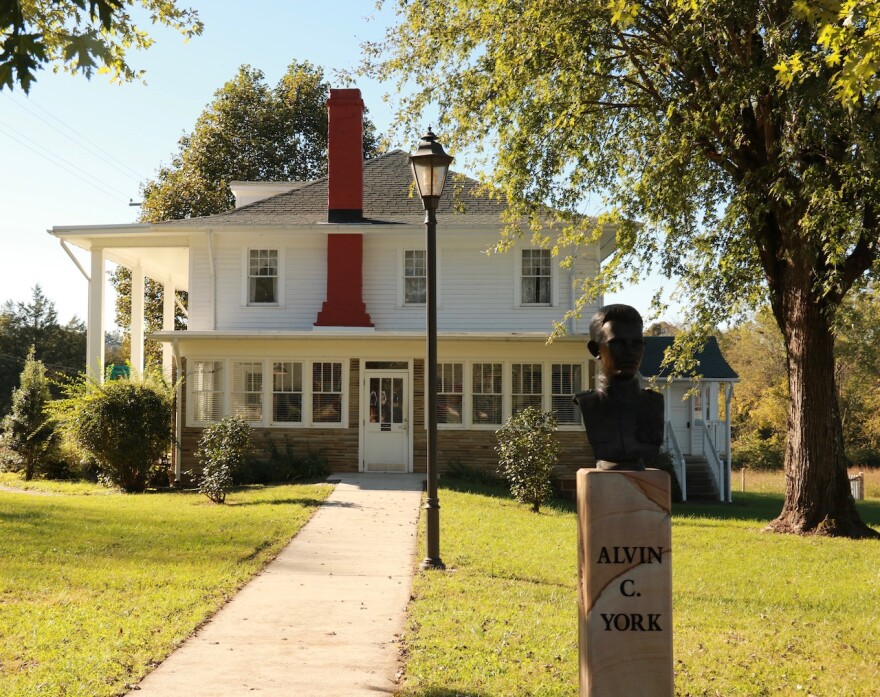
625, 583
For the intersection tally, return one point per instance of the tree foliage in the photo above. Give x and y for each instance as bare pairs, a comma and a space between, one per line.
27, 428
748, 189
249, 132
848, 46
80, 36
124, 425
34, 324
527, 452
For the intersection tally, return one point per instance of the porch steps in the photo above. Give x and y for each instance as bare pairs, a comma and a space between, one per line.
700, 486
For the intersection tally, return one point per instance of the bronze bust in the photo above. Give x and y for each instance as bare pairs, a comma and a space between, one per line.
624, 422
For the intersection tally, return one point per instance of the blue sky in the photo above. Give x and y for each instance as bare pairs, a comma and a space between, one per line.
73, 151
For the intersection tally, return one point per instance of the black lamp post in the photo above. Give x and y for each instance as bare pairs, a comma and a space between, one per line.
430, 165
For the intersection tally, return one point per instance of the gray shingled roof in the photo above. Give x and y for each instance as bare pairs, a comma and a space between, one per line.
387, 199
711, 363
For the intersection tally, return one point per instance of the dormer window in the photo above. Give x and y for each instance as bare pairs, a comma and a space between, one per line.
262, 277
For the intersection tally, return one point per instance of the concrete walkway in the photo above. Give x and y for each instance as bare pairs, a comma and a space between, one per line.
325, 617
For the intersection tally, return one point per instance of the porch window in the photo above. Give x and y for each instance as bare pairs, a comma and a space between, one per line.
263, 277
565, 382
247, 390
207, 391
487, 393
327, 393
414, 277
287, 388
527, 389
535, 277
450, 389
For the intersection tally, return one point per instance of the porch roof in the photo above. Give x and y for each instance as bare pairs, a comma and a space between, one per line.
710, 361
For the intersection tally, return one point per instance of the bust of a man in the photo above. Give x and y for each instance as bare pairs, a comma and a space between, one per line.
624, 422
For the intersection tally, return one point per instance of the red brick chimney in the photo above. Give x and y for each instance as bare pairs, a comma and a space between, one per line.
344, 306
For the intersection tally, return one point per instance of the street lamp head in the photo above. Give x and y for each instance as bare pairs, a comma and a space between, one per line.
430, 165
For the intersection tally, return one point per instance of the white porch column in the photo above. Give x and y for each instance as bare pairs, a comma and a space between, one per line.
137, 319
167, 326
728, 398
95, 326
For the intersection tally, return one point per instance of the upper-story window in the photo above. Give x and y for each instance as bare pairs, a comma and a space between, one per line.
262, 277
535, 277
414, 277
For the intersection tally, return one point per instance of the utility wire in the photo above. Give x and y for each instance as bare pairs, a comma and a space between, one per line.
97, 151
56, 160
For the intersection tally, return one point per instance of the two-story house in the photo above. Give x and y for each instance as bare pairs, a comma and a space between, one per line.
306, 314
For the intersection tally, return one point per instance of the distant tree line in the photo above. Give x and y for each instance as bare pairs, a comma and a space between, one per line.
34, 323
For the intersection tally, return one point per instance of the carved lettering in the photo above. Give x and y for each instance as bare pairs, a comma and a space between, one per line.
623, 592
632, 622
628, 555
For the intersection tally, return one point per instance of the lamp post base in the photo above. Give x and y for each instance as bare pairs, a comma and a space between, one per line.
432, 527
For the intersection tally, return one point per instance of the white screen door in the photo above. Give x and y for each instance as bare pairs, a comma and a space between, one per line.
386, 427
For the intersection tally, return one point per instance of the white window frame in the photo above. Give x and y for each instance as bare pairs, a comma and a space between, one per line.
541, 396
246, 278
344, 394
268, 391
401, 278
505, 395
518, 275
463, 394
247, 391
577, 423
191, 391
272, 392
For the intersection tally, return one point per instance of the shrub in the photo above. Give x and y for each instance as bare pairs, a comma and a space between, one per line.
124, 425
527, 451
28, 431
222, 450
282, 464
753, 452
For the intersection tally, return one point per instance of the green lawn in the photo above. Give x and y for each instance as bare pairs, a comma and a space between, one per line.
754, 613
94, 590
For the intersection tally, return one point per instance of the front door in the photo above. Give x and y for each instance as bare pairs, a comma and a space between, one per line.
680, 415
385, 407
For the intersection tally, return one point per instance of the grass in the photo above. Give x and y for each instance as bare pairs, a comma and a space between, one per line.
13, 480
95, 590
754, 613
774, 482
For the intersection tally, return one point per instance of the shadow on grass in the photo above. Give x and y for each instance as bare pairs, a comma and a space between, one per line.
442, 692
308, 502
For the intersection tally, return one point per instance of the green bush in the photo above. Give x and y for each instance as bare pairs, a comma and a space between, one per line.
222, 449
27, 429
527, 452
124, 426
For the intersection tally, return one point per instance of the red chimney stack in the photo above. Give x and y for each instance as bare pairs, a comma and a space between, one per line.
344, 306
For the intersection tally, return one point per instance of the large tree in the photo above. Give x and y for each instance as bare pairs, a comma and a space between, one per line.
746, 187
80, 36
249, 132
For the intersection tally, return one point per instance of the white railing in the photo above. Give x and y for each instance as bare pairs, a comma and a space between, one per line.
670, 445
716, 466
717, 431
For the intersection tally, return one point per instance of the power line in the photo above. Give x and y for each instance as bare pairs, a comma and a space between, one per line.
97, 151
57, 160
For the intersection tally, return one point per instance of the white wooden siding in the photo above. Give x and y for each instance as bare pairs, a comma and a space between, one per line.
477, 292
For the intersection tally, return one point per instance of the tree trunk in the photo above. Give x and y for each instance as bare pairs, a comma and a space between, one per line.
818, 499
